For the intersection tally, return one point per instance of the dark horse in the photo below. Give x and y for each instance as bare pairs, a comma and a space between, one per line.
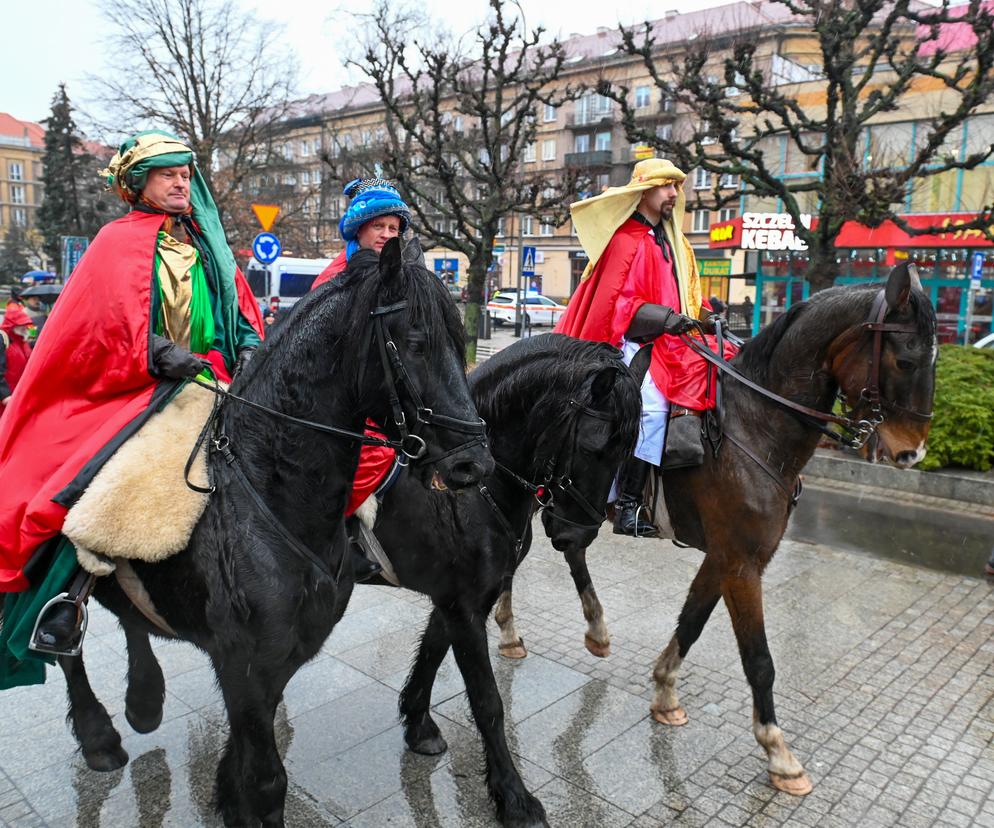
561, 416
266, 574
735, 506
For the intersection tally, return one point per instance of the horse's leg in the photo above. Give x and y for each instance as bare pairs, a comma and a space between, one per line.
515, 805
705, 590
251, 778
420, 731
511, 645
743, 594
146, 686
99, 741
597, 639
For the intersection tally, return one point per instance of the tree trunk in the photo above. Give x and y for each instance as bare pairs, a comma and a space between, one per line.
822, 267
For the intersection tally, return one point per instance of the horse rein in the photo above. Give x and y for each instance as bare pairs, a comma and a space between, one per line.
854, 432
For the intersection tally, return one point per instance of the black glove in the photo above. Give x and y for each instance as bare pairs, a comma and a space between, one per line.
244, 357
710, 321
173, 361
652, 321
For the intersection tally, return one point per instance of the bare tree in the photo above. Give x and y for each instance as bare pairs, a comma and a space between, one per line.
873, 56
458, 123
201, 69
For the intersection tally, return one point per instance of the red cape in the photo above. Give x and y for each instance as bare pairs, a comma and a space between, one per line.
375, 462
87, 379
629, 274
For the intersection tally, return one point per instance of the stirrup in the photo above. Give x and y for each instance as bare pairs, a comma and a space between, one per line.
653, 531
40, 647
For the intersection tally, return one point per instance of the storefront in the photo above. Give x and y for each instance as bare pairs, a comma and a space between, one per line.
956, 266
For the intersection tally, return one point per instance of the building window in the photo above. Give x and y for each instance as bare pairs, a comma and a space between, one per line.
305, 177
602, 141
642, 97
305, 148
728, 180
454, 228
16, 194
529, 154
19, 216
602, 104
664, 132
546, 229
527, 226
727, 213
667, 104
549, 149
702, 179
603, 181
702, 219
316, 176
500, 226
581, 143
549, 114
16, 171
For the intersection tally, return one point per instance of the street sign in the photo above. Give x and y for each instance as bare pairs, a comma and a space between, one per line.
498, 248
447, 269
73, 248
976, 271
266, 213
266, 248
527, 261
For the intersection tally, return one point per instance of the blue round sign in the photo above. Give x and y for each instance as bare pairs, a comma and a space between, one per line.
266, 248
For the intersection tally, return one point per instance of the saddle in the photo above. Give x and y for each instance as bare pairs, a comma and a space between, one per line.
138, 505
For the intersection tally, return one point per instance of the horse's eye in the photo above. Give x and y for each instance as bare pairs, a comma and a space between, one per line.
905, 365
416, 346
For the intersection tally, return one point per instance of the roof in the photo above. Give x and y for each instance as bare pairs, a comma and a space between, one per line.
952, 37
24, 133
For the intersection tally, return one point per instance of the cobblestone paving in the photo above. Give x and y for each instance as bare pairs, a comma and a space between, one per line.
885, 690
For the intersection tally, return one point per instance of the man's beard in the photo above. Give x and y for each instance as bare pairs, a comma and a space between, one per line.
666, 212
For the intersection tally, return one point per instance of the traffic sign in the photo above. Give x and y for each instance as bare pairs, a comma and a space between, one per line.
266, 248
976, 271
266, 213
527, 261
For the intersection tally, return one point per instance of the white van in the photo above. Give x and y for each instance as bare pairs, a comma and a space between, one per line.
288, 279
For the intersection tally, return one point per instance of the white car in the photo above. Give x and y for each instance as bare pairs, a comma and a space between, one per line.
538, 309
986, 342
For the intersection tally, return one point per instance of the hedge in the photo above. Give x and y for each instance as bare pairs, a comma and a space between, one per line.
963, 425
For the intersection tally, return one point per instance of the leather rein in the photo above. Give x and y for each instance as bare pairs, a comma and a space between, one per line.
411, 445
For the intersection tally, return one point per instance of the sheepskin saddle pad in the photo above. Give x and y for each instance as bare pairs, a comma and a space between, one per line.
138, 505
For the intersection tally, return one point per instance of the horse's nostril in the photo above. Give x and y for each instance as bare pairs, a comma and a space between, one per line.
467, 472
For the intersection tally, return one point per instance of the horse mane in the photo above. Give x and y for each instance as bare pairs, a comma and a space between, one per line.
756, 354
523, 377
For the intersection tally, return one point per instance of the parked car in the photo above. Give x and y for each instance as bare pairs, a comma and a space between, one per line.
538, 309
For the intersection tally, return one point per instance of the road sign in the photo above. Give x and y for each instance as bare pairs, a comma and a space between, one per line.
447, 268
498, 248
976, 271
73, 248
527, 261
266, 213
266, 248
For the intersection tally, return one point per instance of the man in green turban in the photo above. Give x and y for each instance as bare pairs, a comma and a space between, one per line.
156, 299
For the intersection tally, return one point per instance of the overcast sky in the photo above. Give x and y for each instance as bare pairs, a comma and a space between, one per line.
49, 41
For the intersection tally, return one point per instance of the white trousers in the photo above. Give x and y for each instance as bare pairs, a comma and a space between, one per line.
655, 411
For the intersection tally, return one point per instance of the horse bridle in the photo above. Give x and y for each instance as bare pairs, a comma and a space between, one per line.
854, 432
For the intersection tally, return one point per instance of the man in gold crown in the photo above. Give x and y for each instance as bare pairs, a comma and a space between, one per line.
642, 286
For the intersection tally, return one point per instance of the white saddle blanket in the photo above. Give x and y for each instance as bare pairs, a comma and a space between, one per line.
138, 506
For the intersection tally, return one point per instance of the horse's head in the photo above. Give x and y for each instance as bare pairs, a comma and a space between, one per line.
416, 342
885, 369
597, 431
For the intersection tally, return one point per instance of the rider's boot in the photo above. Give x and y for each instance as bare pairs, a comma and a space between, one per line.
630, 515
363, 567
62, 621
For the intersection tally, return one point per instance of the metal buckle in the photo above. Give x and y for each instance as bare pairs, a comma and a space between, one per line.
420, 451
61, 598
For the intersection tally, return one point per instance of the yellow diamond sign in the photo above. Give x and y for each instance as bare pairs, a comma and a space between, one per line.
266, 213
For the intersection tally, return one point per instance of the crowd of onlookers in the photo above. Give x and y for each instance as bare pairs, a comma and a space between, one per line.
23, 318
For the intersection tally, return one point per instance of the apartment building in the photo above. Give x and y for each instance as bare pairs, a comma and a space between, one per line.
22, 145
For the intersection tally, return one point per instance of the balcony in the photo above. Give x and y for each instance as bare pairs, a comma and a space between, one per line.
663, 111
588, 160
590, 120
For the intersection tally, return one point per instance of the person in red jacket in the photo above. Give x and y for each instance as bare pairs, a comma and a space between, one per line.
155, 300
15, 331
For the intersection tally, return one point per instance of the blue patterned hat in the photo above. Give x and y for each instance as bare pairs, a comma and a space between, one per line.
371, 197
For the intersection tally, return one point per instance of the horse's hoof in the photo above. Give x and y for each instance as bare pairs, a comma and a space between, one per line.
601, 649
143, 724
677, 717
429, 745
513, 650
793, 785
108, 760
533, 816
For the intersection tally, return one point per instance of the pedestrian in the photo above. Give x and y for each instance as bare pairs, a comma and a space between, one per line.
14, 300
16, 334
118, 346
716, 305
642, 286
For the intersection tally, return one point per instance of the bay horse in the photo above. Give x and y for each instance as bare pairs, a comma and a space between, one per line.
562, 414
267, 574
875, 351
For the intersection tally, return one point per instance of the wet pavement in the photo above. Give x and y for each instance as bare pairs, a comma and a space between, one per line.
885, 690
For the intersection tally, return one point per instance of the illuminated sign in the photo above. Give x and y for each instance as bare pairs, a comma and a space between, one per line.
722, 232
772, 231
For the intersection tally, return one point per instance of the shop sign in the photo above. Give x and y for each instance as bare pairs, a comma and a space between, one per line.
714, 267
772, 231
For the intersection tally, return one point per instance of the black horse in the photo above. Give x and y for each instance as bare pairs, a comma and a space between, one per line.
562, 414
266, 574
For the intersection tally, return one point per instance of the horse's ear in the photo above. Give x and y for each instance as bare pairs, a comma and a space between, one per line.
902, 280
414, 253
603, 384
391, 263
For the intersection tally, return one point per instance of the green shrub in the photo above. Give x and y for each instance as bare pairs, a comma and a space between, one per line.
963, 424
